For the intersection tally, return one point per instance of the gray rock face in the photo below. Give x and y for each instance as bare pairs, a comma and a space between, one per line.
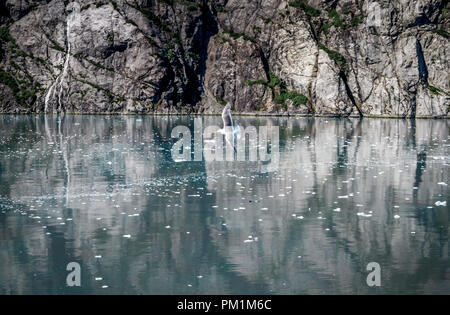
387, 58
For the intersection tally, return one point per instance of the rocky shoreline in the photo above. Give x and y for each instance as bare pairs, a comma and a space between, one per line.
270, 57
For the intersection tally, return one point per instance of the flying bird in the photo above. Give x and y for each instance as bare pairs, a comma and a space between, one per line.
231, 132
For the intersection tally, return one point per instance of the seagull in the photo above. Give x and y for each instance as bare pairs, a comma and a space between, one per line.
231, 132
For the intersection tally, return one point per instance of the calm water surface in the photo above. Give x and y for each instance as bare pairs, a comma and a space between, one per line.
346, 193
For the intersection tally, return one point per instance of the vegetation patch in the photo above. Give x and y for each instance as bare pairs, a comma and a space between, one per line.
336, 19
221, 101
309, 10
24, 92
57, 47
441, 32
221, 9
296, 98
445, 11
130, 21
238, 35
275, 81
336, 57
356, 20
154, 18
436, 90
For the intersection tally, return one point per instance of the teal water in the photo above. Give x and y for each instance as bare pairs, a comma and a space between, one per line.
105, 192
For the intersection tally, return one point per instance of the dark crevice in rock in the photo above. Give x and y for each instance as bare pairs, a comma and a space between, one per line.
265, 64
343, 76
113, 49
423, 70
208, 28
4, 13
421, 20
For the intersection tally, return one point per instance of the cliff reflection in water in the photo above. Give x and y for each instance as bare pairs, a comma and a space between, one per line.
72, 187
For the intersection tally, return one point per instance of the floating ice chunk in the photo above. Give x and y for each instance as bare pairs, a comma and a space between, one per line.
441, 203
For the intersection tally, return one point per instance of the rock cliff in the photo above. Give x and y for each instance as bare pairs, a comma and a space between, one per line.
338, 57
